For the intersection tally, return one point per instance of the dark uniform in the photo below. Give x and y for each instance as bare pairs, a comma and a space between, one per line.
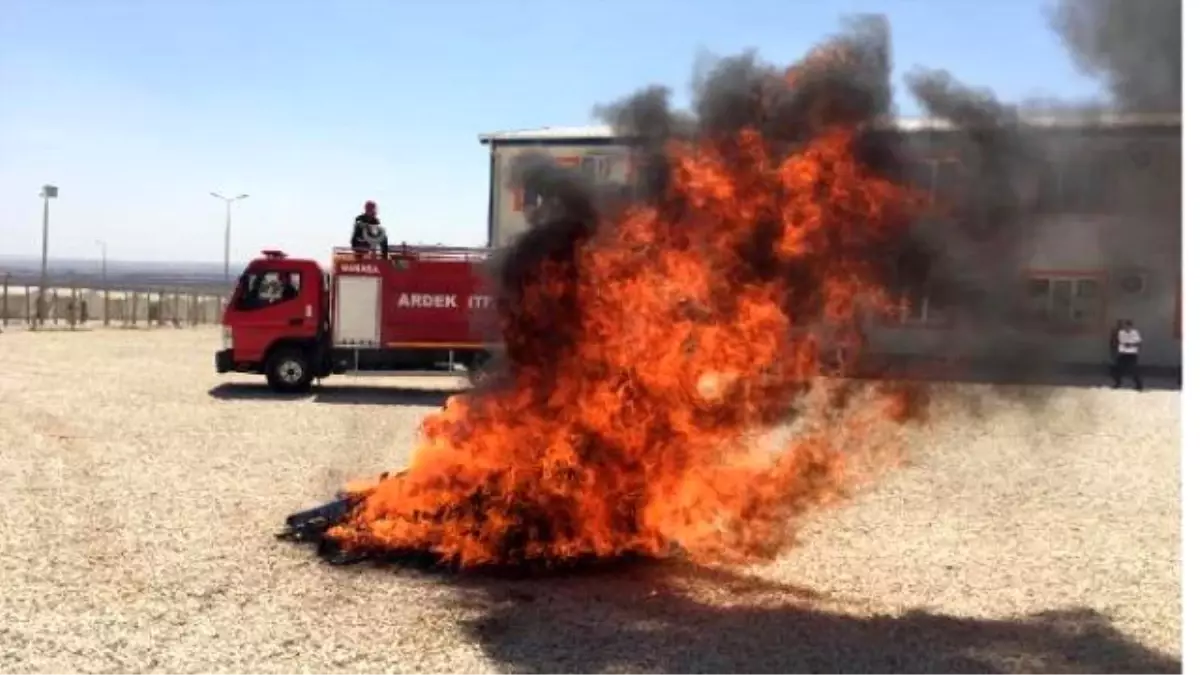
368, 234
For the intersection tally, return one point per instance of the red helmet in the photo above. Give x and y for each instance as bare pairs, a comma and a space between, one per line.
370, 205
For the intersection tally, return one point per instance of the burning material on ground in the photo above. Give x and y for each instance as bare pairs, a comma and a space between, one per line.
311, 525
651, 342
646, 343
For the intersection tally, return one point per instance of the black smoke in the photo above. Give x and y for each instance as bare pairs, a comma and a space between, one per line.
539, 321
1134, 46
847, 81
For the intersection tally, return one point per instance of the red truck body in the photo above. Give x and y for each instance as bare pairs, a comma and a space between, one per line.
420, 309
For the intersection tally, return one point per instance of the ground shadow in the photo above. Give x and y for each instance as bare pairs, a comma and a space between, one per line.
343, 394
672, 619
1029, 376
1153, 379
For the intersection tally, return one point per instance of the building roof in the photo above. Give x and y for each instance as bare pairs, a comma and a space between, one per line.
605, 132
550, 134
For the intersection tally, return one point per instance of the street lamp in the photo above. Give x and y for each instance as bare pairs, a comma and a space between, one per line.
228, 218
104, 275
48, 192
103, 262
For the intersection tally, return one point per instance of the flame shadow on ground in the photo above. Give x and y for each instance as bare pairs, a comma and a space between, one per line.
337, 395
677, 618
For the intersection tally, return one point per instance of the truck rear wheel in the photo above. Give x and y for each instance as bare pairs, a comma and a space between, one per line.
289, 370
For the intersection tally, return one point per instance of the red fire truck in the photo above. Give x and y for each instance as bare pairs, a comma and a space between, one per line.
420, 309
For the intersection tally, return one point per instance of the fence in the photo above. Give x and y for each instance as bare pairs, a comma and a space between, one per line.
71, 305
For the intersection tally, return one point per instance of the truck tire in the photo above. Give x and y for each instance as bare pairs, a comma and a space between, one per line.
289, 370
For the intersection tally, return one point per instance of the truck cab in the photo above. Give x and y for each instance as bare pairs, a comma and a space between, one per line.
275, 317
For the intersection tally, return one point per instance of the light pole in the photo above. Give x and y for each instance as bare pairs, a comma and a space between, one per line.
228, 222
48, 192
104, 275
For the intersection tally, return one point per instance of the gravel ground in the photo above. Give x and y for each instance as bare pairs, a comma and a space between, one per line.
1038, 531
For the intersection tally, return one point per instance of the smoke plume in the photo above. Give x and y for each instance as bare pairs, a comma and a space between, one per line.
1134, 46
845, 82
653, 335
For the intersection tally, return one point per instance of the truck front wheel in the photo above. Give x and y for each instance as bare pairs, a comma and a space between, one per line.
289, 370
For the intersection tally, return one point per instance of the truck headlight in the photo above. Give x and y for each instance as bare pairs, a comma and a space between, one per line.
226, 338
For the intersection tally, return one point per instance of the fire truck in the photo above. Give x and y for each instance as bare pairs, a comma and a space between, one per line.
419, 309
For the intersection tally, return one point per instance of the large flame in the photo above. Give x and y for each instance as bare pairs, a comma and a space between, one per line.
642, 433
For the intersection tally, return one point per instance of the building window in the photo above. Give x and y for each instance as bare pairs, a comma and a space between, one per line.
525, 197
1104, 180
1065, 301
921, 306
920, 175
596, 168
940, 178
1090, 177
947, 182
530, 198
1088, 184
922, 302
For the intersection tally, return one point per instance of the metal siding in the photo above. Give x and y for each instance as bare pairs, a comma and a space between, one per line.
508, 221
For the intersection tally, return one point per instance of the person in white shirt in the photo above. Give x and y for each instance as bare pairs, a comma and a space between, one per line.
1128, 343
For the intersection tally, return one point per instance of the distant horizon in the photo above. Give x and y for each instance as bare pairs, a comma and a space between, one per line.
52, 260
141, 275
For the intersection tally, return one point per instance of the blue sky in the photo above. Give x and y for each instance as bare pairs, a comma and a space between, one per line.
138, 109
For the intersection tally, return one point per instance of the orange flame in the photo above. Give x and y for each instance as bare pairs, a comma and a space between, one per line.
643, 435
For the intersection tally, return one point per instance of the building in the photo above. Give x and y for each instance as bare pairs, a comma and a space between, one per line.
1102, 240
594, 150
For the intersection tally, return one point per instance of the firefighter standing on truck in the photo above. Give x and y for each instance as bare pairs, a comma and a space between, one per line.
368, 234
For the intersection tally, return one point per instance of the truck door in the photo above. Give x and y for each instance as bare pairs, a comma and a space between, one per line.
274, 304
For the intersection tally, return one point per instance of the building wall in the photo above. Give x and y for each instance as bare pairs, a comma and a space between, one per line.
511, 206
1103, 243
1130, 273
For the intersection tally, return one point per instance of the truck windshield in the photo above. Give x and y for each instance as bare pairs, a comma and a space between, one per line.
265, 288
